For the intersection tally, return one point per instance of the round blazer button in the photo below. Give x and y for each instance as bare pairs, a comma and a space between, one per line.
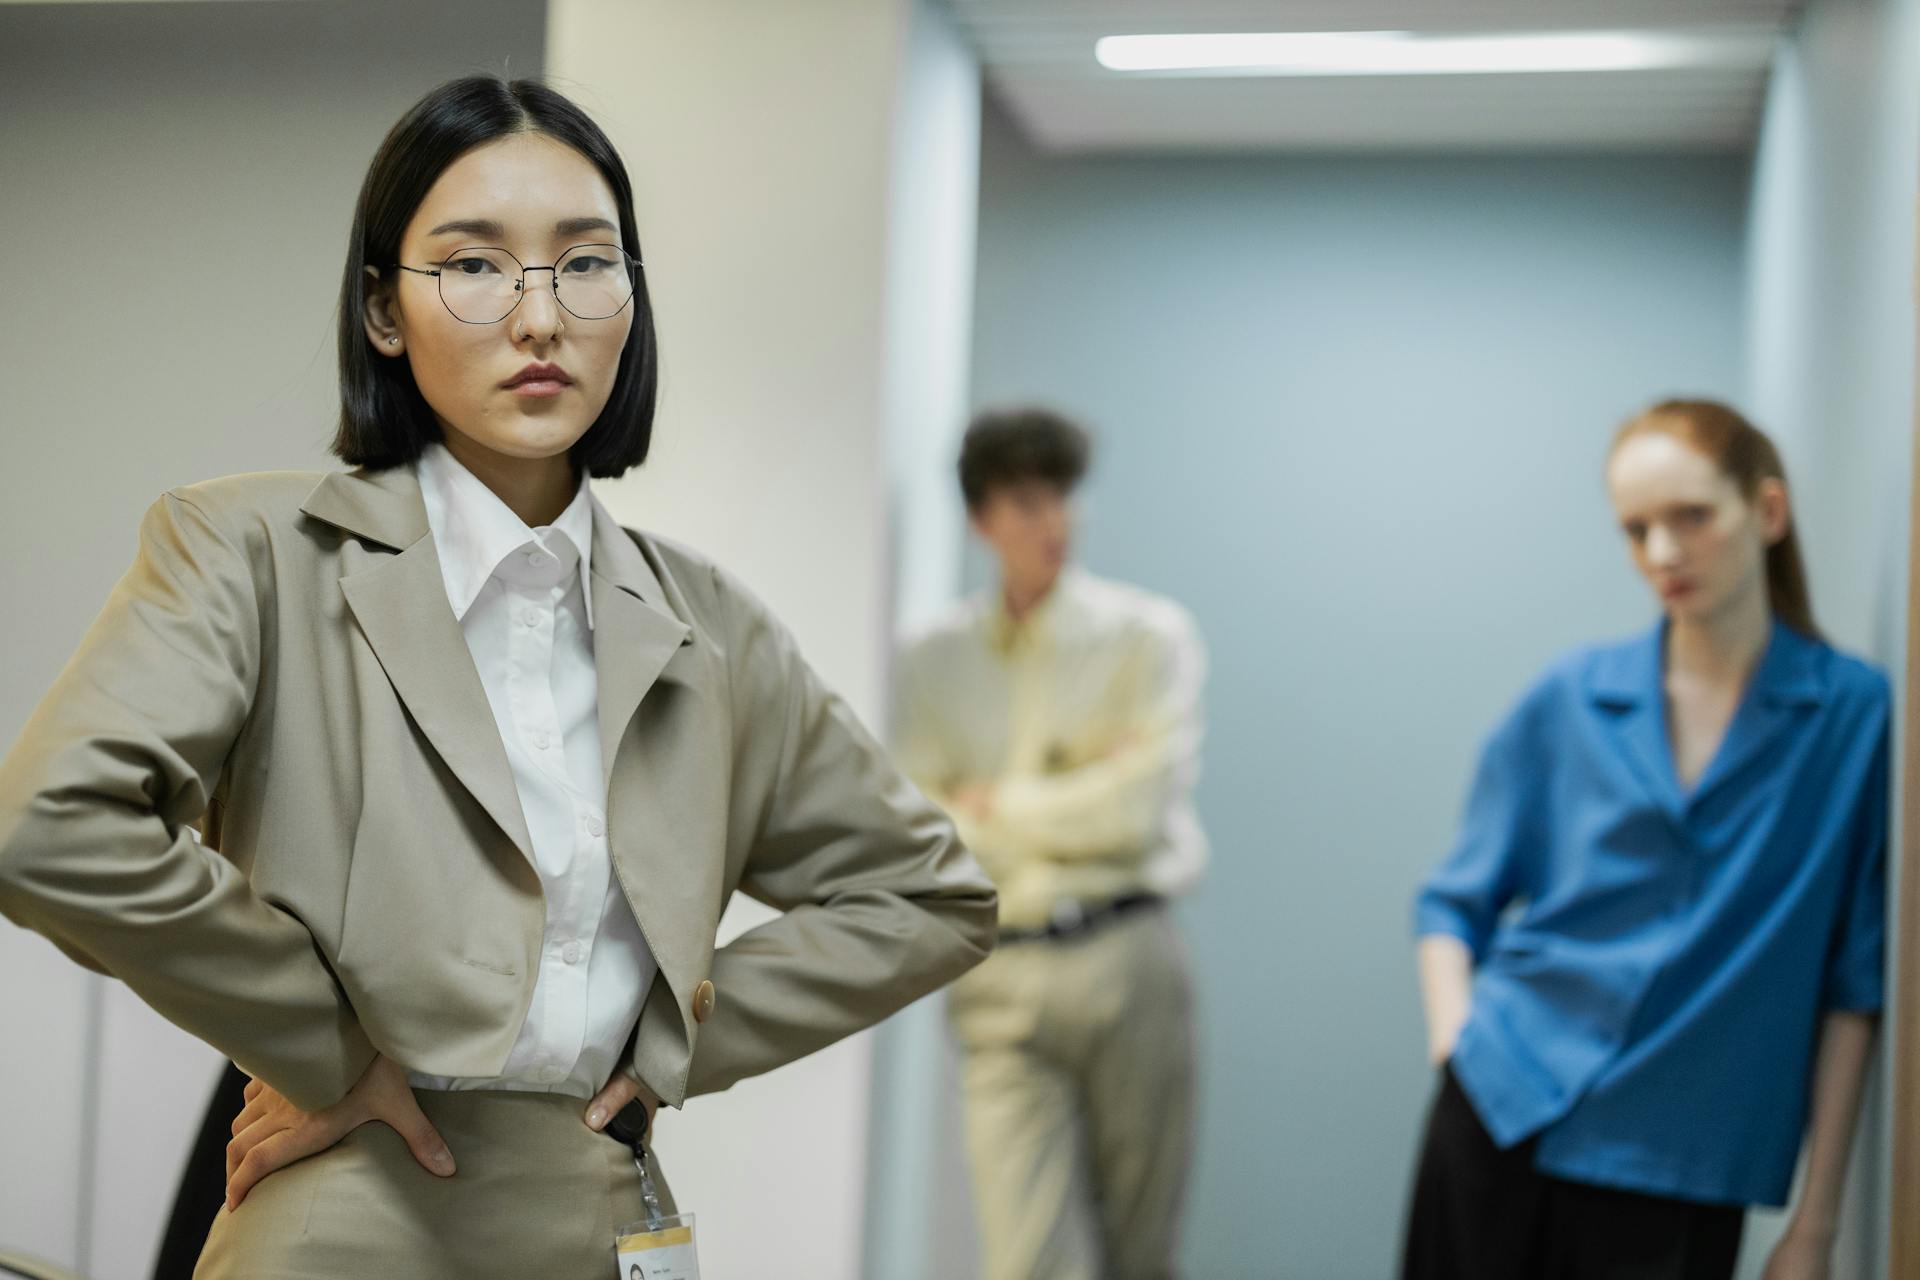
703, 1002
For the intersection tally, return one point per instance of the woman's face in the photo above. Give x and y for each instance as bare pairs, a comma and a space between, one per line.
1699, 544
536, 198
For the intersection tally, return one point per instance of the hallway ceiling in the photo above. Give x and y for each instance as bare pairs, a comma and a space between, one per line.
1037, 56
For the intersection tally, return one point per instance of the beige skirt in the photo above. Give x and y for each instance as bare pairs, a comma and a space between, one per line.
538, 1194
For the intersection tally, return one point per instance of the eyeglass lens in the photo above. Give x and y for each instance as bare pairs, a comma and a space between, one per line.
481, 285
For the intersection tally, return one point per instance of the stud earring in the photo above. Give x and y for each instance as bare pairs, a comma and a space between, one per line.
393, 342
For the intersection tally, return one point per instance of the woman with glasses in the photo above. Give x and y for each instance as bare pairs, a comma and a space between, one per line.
1654, 958
473, 768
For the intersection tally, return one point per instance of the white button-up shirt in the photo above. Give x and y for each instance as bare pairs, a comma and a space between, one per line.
525, 608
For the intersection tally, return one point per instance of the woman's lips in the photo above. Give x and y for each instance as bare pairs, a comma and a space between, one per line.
539, 387
541, 378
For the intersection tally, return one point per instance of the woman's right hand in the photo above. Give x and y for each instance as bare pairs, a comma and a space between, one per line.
1446, 990
271, 1133
1440, 1045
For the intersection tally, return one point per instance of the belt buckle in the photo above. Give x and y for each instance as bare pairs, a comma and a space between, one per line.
1067, 917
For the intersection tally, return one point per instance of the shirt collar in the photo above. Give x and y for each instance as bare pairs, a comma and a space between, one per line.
1005, 633
1790, 670
474, 531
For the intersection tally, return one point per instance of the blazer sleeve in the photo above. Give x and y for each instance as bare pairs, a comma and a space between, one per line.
880, 902
96, 798
1495, 857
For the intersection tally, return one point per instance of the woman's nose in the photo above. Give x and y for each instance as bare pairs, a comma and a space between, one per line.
541, 318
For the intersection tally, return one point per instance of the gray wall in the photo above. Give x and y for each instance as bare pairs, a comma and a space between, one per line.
1353, 413
1830, 349
178, 184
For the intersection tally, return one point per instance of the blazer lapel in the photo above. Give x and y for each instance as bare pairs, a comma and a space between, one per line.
634, 634
659, 820
401, 605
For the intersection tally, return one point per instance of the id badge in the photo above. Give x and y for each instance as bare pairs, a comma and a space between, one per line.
658, 1250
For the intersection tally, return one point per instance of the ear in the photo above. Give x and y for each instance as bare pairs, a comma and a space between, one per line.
380, 318
1771, 504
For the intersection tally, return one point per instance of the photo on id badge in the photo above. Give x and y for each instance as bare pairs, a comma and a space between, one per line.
659, 1250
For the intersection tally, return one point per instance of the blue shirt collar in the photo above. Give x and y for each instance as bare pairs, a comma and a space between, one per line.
1630, 675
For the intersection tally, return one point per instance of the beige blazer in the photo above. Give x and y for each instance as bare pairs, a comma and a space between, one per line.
281, 667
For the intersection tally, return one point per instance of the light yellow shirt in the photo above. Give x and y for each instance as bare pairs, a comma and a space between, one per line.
1085, 720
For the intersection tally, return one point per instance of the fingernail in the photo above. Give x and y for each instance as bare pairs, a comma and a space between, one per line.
596, 1117
442, 1161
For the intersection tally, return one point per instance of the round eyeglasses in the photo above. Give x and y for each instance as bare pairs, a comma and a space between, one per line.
482, 285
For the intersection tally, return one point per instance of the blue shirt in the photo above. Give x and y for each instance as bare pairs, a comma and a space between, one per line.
1653, 966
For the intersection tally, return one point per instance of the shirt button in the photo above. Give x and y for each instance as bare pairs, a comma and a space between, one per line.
540, 739
538, 557
552, 1075
595, 827
571, 953
529, 617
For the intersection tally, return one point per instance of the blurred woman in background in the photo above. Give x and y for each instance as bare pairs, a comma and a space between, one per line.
1654, 956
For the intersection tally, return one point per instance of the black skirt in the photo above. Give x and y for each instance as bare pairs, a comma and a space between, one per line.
1481, 1213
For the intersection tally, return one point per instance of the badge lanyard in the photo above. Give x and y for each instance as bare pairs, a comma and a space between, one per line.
629, 1128
662, 1247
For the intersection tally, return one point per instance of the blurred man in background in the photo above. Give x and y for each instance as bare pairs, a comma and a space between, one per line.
1057, 718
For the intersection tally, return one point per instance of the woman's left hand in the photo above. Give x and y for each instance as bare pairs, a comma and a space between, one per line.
1800, 1255
620, 1090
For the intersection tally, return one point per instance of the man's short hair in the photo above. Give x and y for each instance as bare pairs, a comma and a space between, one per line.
1005, 446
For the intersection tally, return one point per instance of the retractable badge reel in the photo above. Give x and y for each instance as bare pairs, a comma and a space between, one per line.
660, 1248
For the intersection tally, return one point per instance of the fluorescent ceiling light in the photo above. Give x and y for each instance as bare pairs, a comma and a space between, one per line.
1390, 53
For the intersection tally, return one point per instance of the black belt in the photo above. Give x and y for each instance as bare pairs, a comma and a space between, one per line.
1073, 919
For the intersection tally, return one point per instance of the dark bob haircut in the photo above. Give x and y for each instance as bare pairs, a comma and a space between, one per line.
384, 420
1005, 446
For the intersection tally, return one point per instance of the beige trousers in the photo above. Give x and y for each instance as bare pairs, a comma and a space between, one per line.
1078, 1074
538, 1194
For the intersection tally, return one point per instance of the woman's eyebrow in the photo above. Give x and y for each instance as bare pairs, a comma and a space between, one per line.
574, 226
470, 226
488, 227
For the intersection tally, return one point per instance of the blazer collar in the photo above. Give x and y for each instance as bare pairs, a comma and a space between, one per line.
383, 506
618, 561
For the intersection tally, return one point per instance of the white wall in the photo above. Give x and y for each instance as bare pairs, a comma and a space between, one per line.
1830, 265
202, 160
771, 171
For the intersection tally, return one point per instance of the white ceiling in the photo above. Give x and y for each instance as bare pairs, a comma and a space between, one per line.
1038, 59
